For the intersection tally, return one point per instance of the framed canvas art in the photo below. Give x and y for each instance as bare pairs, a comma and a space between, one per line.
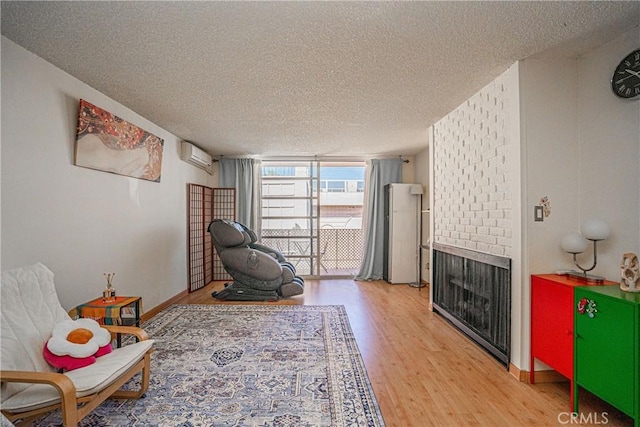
107, 143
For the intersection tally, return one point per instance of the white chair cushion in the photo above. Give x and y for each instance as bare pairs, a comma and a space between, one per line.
29, 309
87, 380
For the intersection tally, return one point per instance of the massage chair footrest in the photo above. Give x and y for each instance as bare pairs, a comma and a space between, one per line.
237, 292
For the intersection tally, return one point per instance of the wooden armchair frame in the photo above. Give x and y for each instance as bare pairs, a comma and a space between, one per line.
76, 408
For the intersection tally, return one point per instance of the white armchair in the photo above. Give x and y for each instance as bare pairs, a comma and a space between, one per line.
30, 386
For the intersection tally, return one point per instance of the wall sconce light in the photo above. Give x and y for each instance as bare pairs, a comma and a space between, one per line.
576, 243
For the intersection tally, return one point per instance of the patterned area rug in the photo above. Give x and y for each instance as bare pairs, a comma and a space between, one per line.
248, 365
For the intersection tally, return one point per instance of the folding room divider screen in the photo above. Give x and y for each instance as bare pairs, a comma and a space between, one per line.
224, 207
205, 204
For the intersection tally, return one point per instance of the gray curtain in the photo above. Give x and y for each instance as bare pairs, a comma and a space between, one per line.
244, 176
381, 173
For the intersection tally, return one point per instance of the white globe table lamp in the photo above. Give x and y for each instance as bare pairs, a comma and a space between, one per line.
576, 243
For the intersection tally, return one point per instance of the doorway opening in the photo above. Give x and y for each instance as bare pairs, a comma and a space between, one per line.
312, 213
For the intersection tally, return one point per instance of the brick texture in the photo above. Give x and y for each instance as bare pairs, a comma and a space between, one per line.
472, 182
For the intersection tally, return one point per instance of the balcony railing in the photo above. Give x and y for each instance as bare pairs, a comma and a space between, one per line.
338, 250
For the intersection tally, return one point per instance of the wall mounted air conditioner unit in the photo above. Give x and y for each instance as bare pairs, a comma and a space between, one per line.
196, 156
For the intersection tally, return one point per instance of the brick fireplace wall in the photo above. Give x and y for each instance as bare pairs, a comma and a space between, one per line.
472, 179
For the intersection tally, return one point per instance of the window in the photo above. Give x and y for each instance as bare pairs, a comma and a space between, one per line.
312, 213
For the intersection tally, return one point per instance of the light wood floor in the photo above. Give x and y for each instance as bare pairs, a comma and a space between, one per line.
426, 373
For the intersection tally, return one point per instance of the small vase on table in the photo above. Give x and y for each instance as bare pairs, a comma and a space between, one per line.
109, 294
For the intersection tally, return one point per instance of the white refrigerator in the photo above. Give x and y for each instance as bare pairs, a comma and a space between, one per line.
401, 233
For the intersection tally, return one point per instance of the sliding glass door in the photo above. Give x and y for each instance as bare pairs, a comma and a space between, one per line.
341, 199
312, 213
290, 211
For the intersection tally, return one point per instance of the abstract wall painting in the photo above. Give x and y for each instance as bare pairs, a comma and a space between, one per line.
107, 143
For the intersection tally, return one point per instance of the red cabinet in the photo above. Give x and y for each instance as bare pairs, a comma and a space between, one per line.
552, 323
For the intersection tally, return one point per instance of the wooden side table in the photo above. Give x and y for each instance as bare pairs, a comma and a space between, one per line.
122, 311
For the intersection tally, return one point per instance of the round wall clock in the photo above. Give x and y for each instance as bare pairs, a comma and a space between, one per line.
626, 78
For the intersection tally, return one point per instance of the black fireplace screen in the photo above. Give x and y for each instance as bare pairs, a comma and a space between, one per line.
473, 291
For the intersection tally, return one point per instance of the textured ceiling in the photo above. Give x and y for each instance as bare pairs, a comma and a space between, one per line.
303, 78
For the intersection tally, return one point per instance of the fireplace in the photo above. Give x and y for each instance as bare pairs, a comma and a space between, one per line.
473, 291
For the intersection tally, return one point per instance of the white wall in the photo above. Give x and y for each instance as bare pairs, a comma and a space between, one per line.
79, 222
609, 144
583, 152
409, 170
549, 90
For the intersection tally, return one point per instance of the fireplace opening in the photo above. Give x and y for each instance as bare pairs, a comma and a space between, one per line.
472, 290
